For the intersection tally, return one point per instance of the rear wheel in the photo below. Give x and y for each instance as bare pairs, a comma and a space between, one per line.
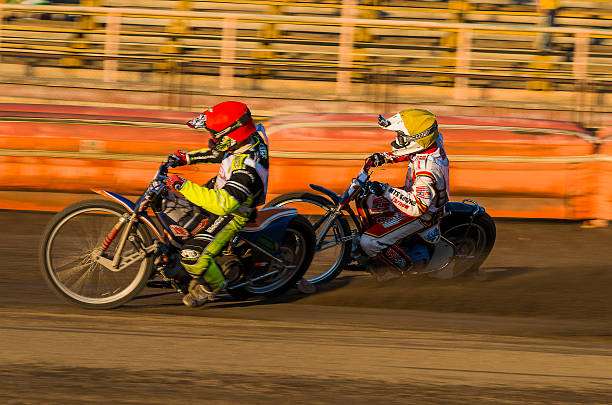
296, 252
68, 250
473, 240
334, 251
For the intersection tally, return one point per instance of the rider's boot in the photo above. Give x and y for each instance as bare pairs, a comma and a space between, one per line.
205, 287
359, 256
389, 264
381, 271
199, 294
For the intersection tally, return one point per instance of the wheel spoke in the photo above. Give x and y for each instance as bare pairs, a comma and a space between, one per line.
333, 251
325, 246
292, 253
469, 241
77, 285
72, 268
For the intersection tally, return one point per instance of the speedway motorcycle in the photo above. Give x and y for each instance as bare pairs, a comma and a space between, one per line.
458, 244
100, 254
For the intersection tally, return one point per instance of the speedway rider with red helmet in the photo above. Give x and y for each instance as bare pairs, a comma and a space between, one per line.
230, 197
418, 204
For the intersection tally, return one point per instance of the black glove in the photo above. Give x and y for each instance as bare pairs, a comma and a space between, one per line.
178, 158
377, 159
377, 188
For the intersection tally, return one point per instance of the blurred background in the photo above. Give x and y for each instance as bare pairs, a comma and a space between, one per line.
520, 87
544, 58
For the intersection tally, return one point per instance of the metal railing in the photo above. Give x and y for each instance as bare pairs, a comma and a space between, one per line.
227, 45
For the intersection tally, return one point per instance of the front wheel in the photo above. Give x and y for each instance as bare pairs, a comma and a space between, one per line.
68, 250
334, 251
296, 252
473, 239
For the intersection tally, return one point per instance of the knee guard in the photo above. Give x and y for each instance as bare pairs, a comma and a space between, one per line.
203, 266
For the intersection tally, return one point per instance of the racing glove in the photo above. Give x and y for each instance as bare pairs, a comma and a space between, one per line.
376, 188
178, 158
175, 182
377, 159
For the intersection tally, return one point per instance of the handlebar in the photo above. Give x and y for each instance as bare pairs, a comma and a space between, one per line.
163, 168
359, 183
157, 186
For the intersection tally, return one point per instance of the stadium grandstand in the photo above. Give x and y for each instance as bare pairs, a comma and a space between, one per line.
512, 52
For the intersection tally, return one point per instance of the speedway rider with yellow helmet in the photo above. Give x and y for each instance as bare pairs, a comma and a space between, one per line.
418, 204
230, 197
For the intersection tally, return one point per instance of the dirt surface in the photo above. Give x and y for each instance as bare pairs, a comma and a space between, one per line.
537, 330
536, 269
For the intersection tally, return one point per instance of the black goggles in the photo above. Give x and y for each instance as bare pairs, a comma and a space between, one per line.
402, 139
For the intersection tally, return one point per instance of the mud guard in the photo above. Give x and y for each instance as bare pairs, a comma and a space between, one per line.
130, 206
452, 207
333, 196
270, 233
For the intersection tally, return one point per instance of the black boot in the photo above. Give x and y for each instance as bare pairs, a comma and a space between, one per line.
199, 293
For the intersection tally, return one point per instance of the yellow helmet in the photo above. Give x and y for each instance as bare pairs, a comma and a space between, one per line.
416, 130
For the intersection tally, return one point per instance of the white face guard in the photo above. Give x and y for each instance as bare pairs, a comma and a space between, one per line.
405, 143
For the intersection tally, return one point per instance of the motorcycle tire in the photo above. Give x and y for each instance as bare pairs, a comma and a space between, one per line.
66, 251
327, 263
296, 250
474, 240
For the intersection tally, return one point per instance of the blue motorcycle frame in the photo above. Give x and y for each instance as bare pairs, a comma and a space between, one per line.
266, 257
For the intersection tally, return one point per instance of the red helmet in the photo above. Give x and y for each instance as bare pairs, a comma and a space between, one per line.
230, 119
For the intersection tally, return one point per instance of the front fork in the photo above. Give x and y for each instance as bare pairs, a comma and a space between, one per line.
126, 222
122, 240
327, 220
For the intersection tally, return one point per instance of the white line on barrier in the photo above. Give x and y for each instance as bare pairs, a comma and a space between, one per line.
364, 124
306, 155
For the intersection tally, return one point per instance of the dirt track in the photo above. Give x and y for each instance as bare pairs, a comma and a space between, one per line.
539, 330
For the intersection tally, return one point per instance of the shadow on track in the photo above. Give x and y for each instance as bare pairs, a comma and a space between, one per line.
227, 301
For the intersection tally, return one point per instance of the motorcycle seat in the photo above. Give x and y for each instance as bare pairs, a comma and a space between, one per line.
266, 216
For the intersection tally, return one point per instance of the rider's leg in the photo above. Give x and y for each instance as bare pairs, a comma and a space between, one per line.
378, 242
198, 258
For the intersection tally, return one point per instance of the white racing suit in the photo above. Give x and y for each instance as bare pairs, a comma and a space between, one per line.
408, 210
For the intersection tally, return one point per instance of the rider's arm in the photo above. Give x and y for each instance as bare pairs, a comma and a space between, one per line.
242, 185
391, 158
204, 156
218, 202
379, 159
418, 199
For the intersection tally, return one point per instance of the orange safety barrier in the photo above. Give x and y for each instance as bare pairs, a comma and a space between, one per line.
514, 167
602, 199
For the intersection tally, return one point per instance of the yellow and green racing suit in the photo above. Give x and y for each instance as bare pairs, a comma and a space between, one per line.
230, 199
